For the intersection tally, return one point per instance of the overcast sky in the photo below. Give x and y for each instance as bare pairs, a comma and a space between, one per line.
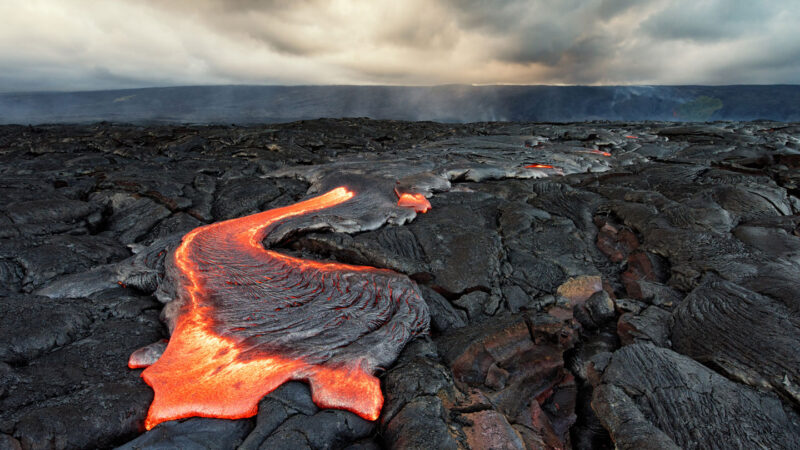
83, 44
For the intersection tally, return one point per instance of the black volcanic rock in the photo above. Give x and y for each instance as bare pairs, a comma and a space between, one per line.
418, 392
193, 434
42, 259
647, 299
61, 322
80, 394
288, 419
708, 326
689, 404
651, 324
444, 316
132, 217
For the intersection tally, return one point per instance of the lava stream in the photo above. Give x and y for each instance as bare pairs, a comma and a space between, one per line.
250, 319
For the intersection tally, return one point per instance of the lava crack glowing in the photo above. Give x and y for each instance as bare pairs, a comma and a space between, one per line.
416, 201
249, 319
595, 151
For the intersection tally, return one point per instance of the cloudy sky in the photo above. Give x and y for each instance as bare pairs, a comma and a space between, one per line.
85, 44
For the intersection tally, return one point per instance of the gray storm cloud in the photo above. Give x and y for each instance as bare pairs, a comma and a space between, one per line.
82, 44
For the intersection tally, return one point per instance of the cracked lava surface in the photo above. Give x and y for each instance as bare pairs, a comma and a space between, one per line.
250, 319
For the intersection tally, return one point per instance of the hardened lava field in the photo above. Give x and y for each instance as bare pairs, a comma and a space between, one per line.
588, 285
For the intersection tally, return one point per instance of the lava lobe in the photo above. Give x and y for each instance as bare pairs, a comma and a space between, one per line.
416, 201
248, 319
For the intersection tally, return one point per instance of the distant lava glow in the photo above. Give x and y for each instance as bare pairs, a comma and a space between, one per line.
250, 319
539, 166
595, 151
416, 201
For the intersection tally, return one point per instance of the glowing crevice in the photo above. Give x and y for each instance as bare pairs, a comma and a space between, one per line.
539, 166
411, 200
595, 151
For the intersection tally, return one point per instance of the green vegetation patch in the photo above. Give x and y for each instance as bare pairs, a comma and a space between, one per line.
699, 109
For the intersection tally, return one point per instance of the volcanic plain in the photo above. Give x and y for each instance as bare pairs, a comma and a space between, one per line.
588, 285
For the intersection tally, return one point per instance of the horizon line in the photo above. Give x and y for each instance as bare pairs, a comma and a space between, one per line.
421, 86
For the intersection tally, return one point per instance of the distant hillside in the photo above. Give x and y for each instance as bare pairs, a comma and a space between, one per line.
452, 103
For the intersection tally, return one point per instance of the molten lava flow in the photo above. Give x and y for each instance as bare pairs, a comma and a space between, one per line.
416, 201
595, 151
539, 166
630, 136
250, 319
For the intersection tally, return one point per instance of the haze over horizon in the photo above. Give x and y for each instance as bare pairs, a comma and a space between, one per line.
82, 45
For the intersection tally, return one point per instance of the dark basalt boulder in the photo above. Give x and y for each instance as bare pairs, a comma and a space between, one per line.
708, 327
81, 394
192, 434
288, 419
515, 364
651, 324
58, 323
646, 389
43, 259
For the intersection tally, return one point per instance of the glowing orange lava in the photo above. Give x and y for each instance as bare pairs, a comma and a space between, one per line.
416, 201
595, 151
207, 374
134, 363
539, 166
630, 136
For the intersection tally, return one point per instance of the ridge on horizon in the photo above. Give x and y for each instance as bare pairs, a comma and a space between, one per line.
413, 86
239, 103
